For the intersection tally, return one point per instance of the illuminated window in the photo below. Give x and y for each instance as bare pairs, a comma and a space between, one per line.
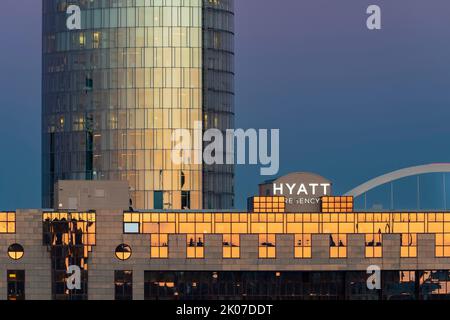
268, 204
231, 244
374, 245
7, 222
267, 224
15, 251
82, 40
440, 225
337, 204
338, 246
123, 252
159, 246
302, 246
195, 246
131, 222
267, 246
96, 39
443, 245
408, 245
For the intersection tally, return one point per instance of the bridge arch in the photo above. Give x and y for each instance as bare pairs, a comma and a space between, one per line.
398, 174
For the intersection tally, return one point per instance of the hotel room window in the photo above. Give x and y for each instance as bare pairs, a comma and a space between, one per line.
439, 224
338, 246
267, 246
374, 245
195, 246
302, 246
16, 284
159, 246
7, 222
231, 246
408, 245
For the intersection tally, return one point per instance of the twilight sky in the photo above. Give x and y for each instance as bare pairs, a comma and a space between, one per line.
351, 103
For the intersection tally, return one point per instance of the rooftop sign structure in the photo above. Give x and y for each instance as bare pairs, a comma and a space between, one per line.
303, 191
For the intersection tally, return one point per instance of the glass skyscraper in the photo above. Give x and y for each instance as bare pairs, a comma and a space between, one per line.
114, 91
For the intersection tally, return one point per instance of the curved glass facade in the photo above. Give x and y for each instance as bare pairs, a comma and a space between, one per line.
218, 97
114, 91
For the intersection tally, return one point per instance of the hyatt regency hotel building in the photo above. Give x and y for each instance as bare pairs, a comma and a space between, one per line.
315, 246
127, 223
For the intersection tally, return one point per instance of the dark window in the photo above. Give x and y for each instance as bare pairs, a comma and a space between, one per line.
89, 84
123, 284
16, 284
158, 200
298, 285
185, 200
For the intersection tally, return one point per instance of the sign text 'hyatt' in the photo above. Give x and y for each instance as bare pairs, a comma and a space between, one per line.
309, 190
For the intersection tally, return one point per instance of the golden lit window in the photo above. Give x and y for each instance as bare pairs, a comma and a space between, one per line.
159, 246
96, 39
267, 246
337, 204
408, 245
268, 204
15, 251
374, 245
443, 244
82, 40
231, 246
123, 252
195, 246
7, 222
338, 246
266, 224
302, 246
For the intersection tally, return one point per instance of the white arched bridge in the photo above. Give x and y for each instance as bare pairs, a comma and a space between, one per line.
400, 174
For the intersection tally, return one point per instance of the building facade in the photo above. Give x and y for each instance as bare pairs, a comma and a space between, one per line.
263, 253
116, 88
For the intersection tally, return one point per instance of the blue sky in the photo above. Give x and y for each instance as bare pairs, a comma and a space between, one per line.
350, 103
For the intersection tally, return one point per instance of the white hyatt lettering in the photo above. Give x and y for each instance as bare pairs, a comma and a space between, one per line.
302, 188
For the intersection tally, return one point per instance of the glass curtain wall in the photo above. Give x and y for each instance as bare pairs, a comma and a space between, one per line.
114, 91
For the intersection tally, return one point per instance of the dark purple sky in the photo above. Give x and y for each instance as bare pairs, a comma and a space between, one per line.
350, 103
